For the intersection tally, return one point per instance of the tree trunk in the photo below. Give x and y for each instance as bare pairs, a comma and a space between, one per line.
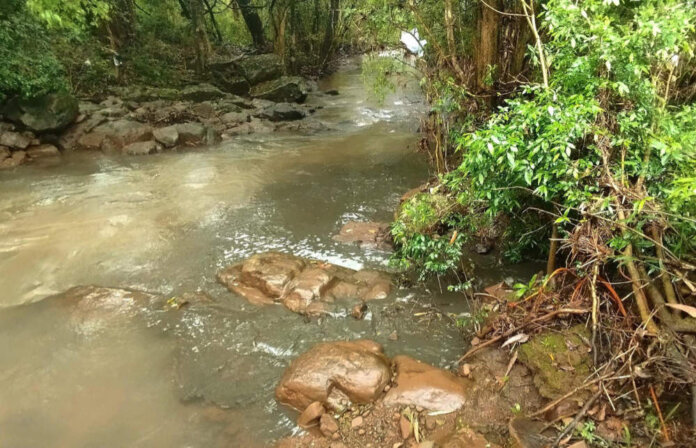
280, 34
195, 11
486, 50
451, 43
213, 21
253, 22
330, 31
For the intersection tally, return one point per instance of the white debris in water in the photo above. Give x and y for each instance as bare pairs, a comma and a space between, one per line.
275, 351
412, 41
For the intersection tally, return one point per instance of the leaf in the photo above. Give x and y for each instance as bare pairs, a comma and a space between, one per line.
521, 338
690, 310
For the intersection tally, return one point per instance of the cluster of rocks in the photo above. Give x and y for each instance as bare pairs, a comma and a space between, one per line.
26, 121
140, 120
303, 286
349, 393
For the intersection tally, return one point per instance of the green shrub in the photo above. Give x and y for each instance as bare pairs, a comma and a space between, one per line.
28, 66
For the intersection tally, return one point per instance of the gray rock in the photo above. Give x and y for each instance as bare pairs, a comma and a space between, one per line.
15, 140
201, 92
51, 112
167, 136
304, 127
237, 85
258, 103
260, 68
234, 118
141, 148
254, 126
113, 136
141, 94
4, 153
203, 110
43, 151
190, 133
288, 89
282, 112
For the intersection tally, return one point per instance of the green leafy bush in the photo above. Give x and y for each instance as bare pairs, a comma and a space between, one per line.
607, 128
27, 64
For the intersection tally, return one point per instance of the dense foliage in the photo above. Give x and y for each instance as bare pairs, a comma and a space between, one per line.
611, 125
46, 45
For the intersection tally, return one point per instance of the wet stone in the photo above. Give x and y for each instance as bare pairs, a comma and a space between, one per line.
303, 286
328, 425
335, 373
311, 415
420, 384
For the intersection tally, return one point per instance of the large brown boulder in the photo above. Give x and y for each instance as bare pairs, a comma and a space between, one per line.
336, 374
420, 384
303, 286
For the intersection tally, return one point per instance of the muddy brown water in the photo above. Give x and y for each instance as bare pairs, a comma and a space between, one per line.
204, 376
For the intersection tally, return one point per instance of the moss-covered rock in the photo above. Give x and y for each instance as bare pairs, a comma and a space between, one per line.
51, 112
423, 212
560, 361
288, 89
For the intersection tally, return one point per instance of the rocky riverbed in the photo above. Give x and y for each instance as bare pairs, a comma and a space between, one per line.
138, 120
203, 253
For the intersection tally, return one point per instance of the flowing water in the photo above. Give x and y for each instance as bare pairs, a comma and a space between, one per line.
202, 376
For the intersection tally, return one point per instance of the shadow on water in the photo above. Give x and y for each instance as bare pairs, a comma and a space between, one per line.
202, 376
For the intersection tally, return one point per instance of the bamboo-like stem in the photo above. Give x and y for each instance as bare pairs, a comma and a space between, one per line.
451, 44
551, 261
531, 21
641, 300
595, 309
670, 295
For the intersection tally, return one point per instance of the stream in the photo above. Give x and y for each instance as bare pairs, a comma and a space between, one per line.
203, 376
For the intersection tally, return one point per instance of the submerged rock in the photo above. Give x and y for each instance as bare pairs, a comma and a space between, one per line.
288, 89
43, 151
93, 308
303, 286
335, 374
422, 385
141, 148
11, 160
369, 235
